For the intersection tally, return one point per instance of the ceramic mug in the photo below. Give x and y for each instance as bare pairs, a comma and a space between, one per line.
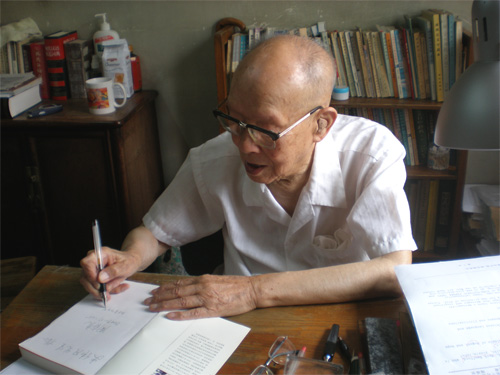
101, 97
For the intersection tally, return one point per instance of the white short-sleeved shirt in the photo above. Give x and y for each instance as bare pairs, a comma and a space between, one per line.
353, 207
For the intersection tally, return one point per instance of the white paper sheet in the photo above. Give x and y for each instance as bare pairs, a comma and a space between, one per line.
455, 307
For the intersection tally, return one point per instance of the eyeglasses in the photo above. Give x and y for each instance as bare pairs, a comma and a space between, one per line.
281, 348
261, 137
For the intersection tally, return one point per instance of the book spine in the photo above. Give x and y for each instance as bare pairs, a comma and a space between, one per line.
404, 135
409, 121
56, 66
425, 64
371, 53
458, 48
348, 68
387, 63
359, 43
355, 72
422, 207
451, 47
342, 79
39, 65
420, 135
445, 52
391, 62
438, 64
395, 121
444, 209
412, 65
235, 52
379, 59
426, 25
405, 48
419, 65
388, 120
400, 66
430, 229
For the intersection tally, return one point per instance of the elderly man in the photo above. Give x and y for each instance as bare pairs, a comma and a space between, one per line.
311, 204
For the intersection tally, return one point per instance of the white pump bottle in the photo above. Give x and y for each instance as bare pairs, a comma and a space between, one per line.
102, 35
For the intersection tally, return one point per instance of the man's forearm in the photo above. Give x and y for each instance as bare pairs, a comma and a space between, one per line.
144, 246
340, 283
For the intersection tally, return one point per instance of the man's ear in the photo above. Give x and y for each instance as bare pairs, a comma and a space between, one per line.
326, 119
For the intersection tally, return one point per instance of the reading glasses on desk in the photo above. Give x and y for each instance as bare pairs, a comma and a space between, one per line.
281, 348
283, 352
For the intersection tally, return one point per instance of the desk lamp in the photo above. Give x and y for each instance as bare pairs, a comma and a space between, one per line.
469, 116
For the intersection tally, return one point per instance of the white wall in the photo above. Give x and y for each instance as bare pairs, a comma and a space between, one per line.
174, 40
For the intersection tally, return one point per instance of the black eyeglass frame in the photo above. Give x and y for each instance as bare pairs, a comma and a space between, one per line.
274, 136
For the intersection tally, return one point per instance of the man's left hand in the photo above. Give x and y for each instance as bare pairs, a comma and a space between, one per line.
204, 296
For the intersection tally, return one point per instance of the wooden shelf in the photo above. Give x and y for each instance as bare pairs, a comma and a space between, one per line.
423, 172
391, 103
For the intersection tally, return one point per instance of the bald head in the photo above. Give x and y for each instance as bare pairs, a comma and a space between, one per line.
286, 71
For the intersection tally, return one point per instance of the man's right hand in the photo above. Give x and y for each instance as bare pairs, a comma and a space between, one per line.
118, 265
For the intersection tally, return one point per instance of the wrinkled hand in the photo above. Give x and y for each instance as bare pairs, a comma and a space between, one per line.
204, 296
118, 265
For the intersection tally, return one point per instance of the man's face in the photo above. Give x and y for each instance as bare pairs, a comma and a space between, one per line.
293, 152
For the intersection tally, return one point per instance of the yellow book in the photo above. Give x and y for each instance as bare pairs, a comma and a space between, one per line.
436, 41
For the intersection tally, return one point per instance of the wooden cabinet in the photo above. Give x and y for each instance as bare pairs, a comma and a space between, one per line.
61, 171
224, 30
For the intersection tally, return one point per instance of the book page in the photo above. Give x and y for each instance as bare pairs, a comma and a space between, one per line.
455, 307
87, 336
202, 348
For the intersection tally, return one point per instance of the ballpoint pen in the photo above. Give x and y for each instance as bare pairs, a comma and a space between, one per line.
331, 343
97, 248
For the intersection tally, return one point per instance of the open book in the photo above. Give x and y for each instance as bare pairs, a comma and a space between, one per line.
126, 338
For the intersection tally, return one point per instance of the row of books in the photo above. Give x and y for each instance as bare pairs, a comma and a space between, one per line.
413, 127
60, 59
431, 204
241, 42
420, 60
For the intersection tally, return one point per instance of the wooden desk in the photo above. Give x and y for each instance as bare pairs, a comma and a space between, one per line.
55, 289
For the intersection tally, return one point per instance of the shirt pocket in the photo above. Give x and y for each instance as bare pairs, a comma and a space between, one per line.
328, 248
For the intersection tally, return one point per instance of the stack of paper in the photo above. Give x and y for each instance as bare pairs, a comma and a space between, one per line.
455, 307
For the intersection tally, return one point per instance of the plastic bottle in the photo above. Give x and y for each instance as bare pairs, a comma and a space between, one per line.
135, 63
102, 35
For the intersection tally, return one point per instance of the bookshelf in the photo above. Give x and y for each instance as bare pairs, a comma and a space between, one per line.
454, 176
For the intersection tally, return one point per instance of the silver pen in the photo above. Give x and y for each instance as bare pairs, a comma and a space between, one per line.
97, 248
